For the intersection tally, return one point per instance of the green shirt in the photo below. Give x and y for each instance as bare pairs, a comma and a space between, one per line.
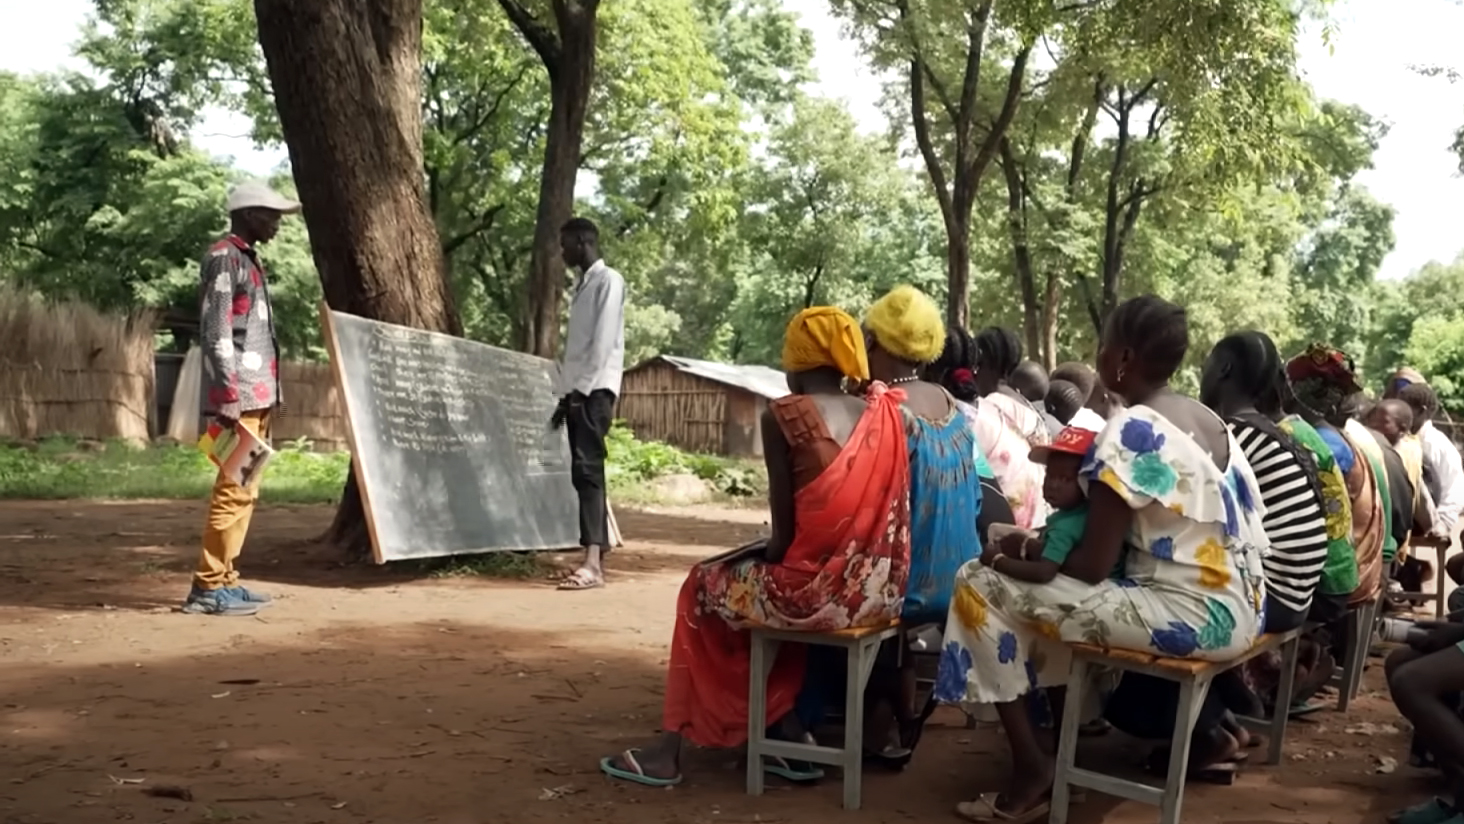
1339, 574
1064, 531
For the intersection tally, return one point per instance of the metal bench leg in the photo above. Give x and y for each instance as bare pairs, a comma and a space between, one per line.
1284, 693
1360, 626
764, 653
1441, 582
1067, 740
1352, 659
1191, 697
861, 656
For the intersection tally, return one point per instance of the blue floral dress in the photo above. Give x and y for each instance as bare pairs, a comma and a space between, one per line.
945, 503
1193, 586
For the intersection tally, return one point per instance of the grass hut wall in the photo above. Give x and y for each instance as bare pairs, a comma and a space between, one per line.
699, 406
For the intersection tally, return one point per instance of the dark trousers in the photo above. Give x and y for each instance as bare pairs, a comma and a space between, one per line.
588, 422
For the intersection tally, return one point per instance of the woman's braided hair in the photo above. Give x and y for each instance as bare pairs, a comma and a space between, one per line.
955, 365
1156, 330
998, 349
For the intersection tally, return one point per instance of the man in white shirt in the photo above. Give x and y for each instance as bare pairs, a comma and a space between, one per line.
589, 381
1440, 454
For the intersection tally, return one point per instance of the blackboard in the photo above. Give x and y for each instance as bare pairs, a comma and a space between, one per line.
451, 442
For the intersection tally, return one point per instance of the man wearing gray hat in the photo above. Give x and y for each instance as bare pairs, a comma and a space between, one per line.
240, 383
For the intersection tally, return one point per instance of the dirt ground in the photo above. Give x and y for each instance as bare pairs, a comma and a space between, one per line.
364, 696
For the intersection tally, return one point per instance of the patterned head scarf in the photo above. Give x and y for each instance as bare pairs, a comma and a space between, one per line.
822, 336
907, 324
1404, 376
1322, 378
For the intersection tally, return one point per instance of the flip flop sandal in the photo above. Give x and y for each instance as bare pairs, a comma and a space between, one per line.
577, 582
799, 772
1222, 774
984, 809
636, 774
1303, 710
1432, 811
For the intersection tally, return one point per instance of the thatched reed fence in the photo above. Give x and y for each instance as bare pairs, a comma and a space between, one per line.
66, 368
312, 407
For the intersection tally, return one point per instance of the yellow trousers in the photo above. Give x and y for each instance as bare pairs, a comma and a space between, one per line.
230, 507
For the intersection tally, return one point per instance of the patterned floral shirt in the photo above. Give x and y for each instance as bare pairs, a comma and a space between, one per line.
1199, 530
1339, 575
236, 327
1006, 430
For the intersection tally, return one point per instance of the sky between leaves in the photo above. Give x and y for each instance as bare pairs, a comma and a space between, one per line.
1368, 64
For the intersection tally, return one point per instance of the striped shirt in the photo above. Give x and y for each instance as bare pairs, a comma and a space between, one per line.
1294, 521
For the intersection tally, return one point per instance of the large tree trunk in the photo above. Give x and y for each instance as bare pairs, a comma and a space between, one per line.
346, 78
568, 52
570, 94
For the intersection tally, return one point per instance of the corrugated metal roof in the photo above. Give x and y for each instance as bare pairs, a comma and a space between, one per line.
759, 380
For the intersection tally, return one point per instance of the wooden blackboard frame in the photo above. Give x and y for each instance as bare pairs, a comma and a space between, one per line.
358, 467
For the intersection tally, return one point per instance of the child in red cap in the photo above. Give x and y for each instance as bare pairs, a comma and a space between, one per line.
1038, 560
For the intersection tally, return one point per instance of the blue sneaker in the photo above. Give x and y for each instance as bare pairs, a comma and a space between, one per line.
217, 602
248, 596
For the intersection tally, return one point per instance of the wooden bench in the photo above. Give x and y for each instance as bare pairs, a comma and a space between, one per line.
861, 646
1193, 678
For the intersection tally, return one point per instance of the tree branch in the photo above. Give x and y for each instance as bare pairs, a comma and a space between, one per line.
542, 38
477, 126
482, 224
972, 173
971, 83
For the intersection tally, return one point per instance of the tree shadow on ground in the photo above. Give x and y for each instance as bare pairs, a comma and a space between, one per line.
458, 723
99, 554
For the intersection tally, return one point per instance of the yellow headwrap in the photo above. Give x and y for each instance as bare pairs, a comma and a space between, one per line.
907, 323
825, 336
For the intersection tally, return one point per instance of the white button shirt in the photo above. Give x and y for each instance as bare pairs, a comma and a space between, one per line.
1441, 453
594, 350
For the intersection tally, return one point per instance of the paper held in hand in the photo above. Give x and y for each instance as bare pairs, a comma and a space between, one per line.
237, 452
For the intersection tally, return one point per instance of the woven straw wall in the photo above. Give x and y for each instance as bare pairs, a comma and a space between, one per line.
312, 407
67, 369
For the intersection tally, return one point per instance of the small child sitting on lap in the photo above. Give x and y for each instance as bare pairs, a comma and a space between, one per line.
1038, 560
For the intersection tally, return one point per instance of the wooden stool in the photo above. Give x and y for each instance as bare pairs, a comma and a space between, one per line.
861, 646
1441, 549
1194, 679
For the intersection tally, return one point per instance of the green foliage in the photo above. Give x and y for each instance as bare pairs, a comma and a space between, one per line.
59, 468
1419, 322
631, 462
1436, 348
63, 468
729, 199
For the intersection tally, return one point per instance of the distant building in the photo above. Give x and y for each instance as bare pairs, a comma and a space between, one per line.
699, 406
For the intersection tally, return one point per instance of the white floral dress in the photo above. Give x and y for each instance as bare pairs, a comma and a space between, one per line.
1193, 586
1006, 430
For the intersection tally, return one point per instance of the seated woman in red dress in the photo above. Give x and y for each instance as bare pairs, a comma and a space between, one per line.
838, 557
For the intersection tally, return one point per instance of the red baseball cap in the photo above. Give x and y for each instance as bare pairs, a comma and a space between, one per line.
1072, 440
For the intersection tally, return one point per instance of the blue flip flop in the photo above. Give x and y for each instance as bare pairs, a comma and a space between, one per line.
785, 769
636, 774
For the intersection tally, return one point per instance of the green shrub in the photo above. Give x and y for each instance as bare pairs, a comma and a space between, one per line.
59, 468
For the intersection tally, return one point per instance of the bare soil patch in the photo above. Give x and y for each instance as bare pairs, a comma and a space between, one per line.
365, 695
